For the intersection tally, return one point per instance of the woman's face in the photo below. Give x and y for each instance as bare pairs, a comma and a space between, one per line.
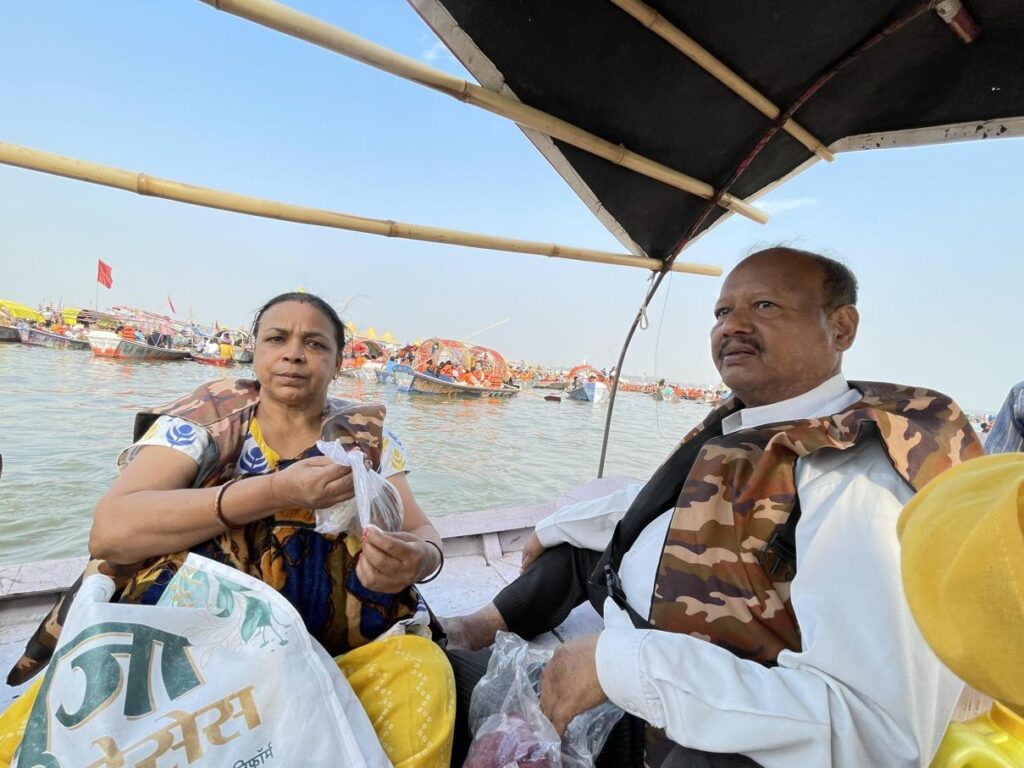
296, 354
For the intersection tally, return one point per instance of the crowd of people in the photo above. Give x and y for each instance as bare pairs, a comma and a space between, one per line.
52, 322
754, 606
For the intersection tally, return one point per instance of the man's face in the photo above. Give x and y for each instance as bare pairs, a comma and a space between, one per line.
773, 337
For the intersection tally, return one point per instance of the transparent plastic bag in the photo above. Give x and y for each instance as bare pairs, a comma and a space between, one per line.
376, 501
509, 729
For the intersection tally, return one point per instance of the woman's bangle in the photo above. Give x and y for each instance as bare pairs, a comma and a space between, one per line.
220, 512
440, 565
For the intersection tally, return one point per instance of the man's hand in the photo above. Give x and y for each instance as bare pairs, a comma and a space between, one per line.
314, 483
390, 562
570, 684
531, 551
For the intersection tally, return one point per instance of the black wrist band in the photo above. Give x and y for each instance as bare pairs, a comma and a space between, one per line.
440, 565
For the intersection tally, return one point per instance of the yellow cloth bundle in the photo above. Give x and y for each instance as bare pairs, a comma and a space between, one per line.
962, 539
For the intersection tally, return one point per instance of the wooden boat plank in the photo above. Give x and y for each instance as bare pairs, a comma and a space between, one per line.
39, 578
10, 334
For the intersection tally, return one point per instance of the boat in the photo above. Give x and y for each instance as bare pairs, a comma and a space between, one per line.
12, 315
423, 377
587, 384
551, 384
40, 337
385, 376
668, 106
223, 362
362, 358
425, 384
109, 344
482, 555
242, 343
482, 551
665, 393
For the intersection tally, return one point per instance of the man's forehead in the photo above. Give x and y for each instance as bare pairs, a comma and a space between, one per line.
775, 270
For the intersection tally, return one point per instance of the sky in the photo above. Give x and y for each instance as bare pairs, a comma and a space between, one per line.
181, 91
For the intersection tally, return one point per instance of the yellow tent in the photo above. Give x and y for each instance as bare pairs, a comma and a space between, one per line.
351, 328
370, 333
388, 338
20, 311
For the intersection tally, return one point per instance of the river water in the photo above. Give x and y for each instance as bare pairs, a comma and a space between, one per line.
65, 415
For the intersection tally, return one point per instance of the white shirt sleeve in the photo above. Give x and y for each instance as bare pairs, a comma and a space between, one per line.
865, 690
177, 433
587, 524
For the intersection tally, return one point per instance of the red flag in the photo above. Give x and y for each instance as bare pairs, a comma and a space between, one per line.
171, 303
104, 274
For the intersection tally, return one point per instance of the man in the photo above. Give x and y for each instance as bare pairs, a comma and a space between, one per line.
715, 643
1007, 433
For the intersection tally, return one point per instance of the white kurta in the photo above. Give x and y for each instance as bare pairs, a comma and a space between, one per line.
865, 690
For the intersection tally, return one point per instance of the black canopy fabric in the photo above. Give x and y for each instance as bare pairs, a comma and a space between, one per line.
590, 63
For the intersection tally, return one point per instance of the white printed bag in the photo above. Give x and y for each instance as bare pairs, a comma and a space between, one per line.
222, 673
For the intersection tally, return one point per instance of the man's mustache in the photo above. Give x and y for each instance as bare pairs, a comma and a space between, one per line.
738, 341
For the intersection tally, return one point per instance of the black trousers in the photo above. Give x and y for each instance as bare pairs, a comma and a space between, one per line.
535, 603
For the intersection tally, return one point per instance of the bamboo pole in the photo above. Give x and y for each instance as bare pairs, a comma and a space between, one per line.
689, 47
143, 184
304, 27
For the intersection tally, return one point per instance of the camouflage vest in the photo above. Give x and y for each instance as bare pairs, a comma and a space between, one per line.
225, 408
741, 490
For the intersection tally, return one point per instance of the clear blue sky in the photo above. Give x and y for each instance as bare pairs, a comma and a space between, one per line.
179, 90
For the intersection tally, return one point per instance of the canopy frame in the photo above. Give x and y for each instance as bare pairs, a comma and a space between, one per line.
153, 186
302, 26
889, 29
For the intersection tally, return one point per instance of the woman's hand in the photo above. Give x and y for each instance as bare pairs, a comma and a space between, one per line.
315, 483
390, 562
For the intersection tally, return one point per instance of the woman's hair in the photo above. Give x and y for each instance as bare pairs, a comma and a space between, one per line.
305, 298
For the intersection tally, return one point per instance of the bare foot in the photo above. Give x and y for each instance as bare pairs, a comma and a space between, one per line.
474, 631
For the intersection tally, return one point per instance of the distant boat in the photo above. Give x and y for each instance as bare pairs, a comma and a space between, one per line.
550, 384
665, 394
39, 337
434, 354
592, 391
590, 384
109, 344
388, 377
9, 333
223, 362
414, 381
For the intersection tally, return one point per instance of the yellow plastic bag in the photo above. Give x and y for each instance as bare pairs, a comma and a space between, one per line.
993, 740
12, 722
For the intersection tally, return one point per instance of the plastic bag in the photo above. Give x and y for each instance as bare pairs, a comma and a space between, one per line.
221, 672
509, 729
376, 501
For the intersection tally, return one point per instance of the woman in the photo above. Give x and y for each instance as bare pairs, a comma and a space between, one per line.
232, 472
